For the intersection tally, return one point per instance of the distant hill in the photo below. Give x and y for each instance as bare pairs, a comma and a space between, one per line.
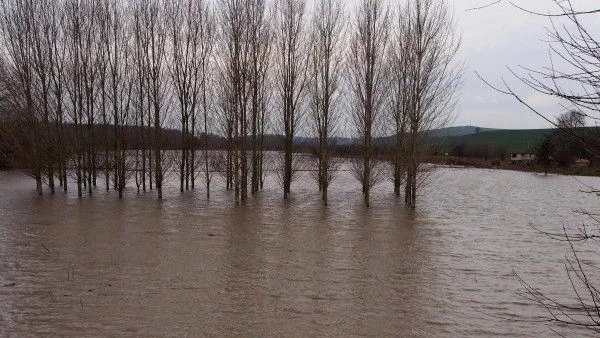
442, 133
458, 131
313, 141
514, 141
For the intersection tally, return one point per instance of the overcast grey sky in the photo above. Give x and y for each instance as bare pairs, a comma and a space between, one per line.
495, 38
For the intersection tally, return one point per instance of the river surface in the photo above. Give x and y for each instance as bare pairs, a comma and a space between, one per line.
188, 267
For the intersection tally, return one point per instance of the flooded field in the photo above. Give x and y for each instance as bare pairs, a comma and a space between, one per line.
188, 267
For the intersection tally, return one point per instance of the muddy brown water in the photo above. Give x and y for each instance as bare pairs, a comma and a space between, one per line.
188, 267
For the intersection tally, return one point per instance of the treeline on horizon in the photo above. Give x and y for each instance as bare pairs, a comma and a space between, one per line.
98, 91
171, 140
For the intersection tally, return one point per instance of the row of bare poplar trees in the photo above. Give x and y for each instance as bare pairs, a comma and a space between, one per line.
91, 85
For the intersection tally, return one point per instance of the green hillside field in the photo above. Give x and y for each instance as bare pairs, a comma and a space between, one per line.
514, 141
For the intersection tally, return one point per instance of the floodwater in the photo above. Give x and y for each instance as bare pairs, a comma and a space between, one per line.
188, 267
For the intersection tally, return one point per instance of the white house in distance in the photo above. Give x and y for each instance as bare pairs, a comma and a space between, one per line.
582, 162
522, 157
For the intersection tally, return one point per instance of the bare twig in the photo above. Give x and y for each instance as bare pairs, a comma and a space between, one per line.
484, 6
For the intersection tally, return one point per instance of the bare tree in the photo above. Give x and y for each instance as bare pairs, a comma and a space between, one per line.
432, 77
243, 64
260, 52
368, 79
207, 40
225, 119
400, 62
571, 119
187, 63
57, 50
572, 77
104, 31
191, 33
41, 24
154, 35
77, 28
291, 55
326, 63
89, 76
120, 83
143, 113
18, 25
235, 70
